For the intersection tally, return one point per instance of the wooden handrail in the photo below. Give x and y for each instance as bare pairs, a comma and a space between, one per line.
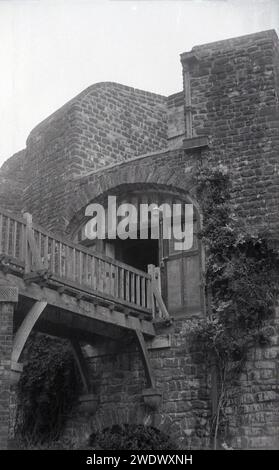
38, 249
85, 250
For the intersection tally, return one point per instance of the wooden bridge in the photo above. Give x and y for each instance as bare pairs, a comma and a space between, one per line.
67, 290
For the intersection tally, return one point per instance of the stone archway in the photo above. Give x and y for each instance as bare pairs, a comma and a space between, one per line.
172, 269
131, 437
80, 427
170, 171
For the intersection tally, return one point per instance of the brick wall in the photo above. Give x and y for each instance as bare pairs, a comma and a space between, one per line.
176, 121
6, 342
234, 90
12, 183
180, 374
105, 123
253, 402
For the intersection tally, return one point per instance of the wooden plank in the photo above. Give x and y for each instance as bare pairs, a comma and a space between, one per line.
1, 233
46, 261
97, 271
14, 239
132, 288
138, 290
116, 281
107, 280
22, 242
81, 364
127, 285
26, 327
7, 237
88, 251
101, 273
74, 265
40, 244
80, 266
143, 291
36, 259
59, 259
82, 308
145, 359
5, 213
160, 302
93, 267
86, 268
67, 262
150, 296
53, 256
86, 331
121, 283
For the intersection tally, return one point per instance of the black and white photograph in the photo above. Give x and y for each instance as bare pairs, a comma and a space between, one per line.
139, 230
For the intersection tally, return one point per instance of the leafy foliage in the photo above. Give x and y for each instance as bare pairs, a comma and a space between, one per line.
241, 278
47, 390
132, 437
241, 272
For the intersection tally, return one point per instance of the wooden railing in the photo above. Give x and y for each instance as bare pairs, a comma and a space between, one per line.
34, 249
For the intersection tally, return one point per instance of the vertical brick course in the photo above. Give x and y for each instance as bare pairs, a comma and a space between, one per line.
6, 343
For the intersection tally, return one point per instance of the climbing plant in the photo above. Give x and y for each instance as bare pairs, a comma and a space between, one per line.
241, 279
47, 390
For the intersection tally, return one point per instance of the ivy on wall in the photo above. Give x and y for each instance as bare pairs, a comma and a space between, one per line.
241, 279
48, 388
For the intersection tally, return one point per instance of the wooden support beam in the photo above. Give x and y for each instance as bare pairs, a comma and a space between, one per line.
31, 243
83, 309
81, 364
156, 294
145, 359
26, 327
160, 302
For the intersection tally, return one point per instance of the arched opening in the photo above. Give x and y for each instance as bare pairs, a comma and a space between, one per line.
178, 270
137, 253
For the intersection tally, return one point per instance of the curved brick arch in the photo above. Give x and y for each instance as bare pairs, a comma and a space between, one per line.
140, 416
127, 177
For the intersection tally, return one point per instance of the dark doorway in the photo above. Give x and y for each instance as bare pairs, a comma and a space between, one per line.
137, 253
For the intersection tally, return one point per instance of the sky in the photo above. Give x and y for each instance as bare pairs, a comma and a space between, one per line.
50, 50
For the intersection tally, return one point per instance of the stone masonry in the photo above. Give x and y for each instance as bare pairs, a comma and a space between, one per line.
8, 298
112, 138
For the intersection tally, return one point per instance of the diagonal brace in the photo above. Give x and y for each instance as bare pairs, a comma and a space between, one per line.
145, 359
81, 364
26, 327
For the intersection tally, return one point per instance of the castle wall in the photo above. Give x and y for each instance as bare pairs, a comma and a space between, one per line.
252, 407
234, 92
12, 183
90, 147
104, 124
180, 373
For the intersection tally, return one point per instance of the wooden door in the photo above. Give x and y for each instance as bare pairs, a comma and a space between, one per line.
181, 278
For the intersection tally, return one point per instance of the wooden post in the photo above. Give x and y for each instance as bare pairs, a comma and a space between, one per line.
32, 255
156, 293
151, 269
81, 364
145, 359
